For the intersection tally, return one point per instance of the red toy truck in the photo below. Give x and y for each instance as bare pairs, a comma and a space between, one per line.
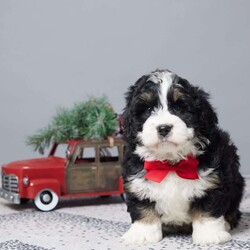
73, 169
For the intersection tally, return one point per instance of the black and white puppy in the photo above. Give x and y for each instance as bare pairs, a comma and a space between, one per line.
169, 121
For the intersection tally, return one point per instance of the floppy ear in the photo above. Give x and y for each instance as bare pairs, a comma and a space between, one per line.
129, 131
207, 116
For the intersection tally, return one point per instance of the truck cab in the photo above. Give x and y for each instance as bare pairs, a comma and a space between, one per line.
75, 168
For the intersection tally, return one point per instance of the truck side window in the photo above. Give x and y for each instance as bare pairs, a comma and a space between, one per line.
109, 154
61, 150
85, 155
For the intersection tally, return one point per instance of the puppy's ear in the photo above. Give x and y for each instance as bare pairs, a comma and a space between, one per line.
127, 123
128, 119
206, 114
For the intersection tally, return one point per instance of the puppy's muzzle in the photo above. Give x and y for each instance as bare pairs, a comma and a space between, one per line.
164, 129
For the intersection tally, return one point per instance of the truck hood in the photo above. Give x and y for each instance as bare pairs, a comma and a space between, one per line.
44, 163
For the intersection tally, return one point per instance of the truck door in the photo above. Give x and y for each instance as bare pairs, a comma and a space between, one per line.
81, 173
109, 169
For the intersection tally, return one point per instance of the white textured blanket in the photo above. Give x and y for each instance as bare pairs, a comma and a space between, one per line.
93, 223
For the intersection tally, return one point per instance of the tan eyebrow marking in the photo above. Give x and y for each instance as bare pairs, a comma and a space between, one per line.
177, 94
147, 97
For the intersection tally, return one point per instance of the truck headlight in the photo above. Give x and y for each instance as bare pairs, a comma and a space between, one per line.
26, 181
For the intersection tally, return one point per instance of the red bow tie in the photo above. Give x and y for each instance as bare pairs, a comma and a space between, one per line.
158, 170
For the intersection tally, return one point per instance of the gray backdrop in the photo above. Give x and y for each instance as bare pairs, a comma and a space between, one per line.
56, 52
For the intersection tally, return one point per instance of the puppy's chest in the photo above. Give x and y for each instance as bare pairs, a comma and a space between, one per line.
173, 199
172, 196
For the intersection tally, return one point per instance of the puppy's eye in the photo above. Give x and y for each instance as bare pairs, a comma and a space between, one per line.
183, 108
177, 107
143, 109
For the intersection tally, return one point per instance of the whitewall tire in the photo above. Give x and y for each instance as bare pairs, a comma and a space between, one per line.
46, 200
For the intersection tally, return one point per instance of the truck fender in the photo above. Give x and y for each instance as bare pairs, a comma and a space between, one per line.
120, 185
36, 186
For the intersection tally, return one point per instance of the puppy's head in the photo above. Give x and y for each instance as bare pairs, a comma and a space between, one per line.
166, 118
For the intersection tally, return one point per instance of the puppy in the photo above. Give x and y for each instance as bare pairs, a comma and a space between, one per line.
180, 169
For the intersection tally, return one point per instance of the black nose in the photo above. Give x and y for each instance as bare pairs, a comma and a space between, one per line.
163, 130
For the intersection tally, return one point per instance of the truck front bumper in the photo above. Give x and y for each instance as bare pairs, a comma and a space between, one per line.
12, 197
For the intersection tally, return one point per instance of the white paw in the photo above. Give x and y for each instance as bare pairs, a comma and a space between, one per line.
209, 230
142, 233
215, 238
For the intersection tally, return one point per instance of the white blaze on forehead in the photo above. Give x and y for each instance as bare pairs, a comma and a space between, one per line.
165, 79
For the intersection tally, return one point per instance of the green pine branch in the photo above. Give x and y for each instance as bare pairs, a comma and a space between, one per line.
92, 119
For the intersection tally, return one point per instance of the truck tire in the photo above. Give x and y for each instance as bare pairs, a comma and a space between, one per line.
124, 197
46, 200
24, 200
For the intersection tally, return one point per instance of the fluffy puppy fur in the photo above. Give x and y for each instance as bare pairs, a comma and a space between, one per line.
208, 206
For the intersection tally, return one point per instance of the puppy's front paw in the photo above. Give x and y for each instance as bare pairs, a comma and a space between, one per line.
143, 233
211, 238
210, 231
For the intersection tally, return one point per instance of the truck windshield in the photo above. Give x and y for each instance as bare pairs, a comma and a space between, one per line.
61, 150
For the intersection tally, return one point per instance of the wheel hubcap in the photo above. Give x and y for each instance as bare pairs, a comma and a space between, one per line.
46, 197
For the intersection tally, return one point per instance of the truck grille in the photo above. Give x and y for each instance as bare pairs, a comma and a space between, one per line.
10, 183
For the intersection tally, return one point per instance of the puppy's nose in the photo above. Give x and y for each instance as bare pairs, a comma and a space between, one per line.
164, 129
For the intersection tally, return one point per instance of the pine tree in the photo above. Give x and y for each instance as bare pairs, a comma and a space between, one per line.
92, 119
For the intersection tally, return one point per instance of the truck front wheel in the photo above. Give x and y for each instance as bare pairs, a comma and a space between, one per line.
46, 200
